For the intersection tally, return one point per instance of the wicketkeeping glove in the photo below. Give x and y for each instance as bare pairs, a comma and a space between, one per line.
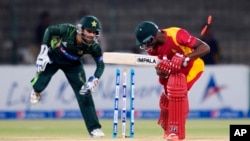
43, 59
88, 87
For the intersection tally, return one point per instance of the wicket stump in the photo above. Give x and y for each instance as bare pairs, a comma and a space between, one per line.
124, 104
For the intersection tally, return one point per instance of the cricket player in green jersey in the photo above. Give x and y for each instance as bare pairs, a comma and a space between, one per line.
62, 47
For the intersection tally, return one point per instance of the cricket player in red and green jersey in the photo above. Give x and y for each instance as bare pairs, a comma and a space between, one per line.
180, 67
61, 49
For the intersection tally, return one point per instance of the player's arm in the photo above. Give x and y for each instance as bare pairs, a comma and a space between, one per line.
98, 58
93, 80
54, 30
200, 49
181, 60
43, 58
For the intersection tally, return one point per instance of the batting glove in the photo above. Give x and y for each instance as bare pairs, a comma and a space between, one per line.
89, 86
163, 69
43, 59
178, 61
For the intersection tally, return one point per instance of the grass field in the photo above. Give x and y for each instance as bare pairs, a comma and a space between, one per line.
74, 130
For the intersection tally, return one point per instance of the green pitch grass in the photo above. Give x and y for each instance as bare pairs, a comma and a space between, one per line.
74, 130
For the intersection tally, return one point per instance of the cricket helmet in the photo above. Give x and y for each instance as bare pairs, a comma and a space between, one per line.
91, 23
145, 31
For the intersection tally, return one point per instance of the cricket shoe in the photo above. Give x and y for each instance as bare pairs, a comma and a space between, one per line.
35, 97
97, 133
171, 137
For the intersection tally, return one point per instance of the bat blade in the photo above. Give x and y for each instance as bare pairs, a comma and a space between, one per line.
129, 59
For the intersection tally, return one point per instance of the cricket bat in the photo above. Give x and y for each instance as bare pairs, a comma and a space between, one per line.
129, 59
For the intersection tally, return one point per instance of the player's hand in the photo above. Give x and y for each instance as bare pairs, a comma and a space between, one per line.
162, 74
178, 61
163, 69
43, 58
89, 86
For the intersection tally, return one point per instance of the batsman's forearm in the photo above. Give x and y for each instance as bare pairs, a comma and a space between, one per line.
200, 49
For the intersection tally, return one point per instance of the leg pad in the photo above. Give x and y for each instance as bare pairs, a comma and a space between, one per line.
177, 104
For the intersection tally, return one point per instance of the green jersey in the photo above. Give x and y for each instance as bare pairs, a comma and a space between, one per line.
61, 39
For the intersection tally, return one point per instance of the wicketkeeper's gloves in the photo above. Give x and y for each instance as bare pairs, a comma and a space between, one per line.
43, 58
88, 87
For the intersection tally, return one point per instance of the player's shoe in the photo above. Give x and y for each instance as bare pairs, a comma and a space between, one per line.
35, 97
97, 133
171, 137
